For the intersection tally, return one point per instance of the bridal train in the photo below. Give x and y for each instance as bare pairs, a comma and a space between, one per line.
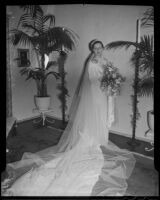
84, 162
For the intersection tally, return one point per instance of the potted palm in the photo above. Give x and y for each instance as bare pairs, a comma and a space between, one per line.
42, 99
146, 86
146, 68
145, 55
38, 31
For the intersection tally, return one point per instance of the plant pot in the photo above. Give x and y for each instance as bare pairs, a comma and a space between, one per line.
42, 103
150, 120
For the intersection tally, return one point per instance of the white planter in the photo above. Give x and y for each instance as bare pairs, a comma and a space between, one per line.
42, 103
150, 119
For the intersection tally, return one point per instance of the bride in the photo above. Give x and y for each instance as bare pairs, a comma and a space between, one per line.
84, 162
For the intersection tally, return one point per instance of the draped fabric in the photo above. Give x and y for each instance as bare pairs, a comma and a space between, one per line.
84, 162
8, 74
111, 110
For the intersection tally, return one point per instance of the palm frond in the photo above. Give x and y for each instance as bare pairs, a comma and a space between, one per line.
24, 71
145, 55
34, 10
25, 18
146, 87
45, 28
50, 64
20, 37
49, 17
59, 37
30, 75
72, 34
55, 74
32, 28
148, 19
121, 44
36, 21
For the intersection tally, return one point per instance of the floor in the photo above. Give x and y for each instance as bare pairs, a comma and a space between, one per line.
143, 181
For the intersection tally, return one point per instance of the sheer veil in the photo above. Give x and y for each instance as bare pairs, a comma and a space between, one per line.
79, 155
70, 135
76, 112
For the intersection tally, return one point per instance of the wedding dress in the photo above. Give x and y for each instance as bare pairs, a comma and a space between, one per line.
84, 162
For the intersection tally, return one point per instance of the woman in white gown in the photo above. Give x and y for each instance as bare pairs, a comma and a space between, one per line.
84, 162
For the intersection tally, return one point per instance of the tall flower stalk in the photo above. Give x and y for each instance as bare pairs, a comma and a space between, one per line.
62, 86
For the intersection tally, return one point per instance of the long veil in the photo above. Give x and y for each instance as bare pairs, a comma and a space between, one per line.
112, 166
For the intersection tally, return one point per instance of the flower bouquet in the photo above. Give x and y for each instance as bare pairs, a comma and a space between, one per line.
111, 80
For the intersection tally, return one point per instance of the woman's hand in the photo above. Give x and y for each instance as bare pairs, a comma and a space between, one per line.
94, 60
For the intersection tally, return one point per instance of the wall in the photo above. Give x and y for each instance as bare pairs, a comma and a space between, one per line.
22, 91
107, 23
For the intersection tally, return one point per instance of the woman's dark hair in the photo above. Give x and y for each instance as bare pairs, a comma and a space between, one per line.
93, 42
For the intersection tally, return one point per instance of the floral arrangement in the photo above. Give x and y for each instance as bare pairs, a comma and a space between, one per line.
111, 80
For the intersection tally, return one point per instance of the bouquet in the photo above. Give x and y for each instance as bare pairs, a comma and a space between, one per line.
111, 80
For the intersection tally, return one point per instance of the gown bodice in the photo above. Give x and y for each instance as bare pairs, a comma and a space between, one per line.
95, 72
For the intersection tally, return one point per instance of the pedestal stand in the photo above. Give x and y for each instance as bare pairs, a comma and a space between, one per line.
43, 116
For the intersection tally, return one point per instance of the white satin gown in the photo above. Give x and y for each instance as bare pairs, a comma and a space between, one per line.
93, 166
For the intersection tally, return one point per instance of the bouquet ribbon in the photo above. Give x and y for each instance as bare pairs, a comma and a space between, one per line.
111, 110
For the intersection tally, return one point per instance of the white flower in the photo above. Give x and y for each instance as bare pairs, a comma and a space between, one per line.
109, 87
118, 81
110, 69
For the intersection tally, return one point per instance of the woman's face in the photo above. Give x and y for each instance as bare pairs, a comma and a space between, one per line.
97, 49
